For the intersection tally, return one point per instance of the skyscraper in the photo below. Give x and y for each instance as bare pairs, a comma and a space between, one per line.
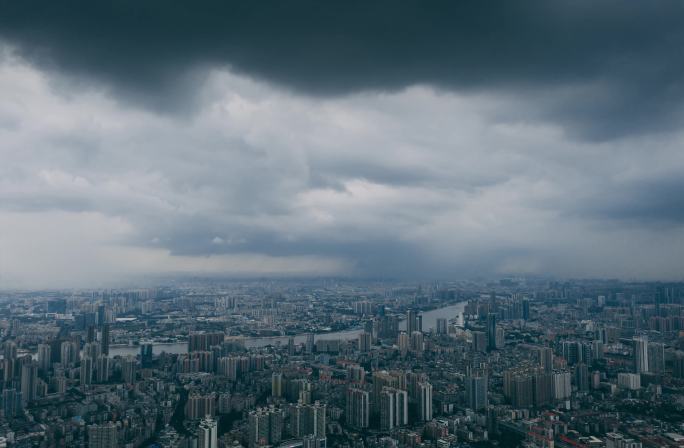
641, 354
393, 408
29, 381
441, 325
476, 391
424, 401
491, 331
44, 357
357, 407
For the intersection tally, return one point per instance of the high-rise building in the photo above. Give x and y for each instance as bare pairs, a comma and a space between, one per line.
102, 436
44, 357
476, 391
29, 381
545, 355
128, 370
479, 341
491, 331
146, 354
277, 385
357, 407
442, 325
403, 343
104, 339
12, 403
265, 426
656, 357
641, 354
364, 342
310, 343
204, 341
207, 433
68, 353
424, 401
200, 406
414, 321
86, 371
582, 377
631, 381
562, 385
102, 369
393, 408
417, 342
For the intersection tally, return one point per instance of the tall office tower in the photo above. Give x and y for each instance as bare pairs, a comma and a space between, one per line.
277, 385
207, 433
545, 355
44, 358
582, 377
393, 408
146, 354
102, 436
526, 309
364, 342
562, 385
29, 381
291, 346
442, 327
102, 369
417, 342
656, 357
479, 341
200, 406
492, 302
424, 401
86, 371
105, 339
641, 354
357, 407
12, 403
310, 343
476, 391
414, 321
403, 343
128, 370
491, 331
572, 352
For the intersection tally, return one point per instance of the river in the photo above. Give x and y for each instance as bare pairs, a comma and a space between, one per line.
429, 323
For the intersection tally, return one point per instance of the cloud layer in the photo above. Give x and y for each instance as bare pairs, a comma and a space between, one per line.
365, 140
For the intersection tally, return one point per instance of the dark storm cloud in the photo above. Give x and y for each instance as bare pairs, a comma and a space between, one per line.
625, 58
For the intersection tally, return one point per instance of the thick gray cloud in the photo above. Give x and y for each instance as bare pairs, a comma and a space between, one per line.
370, 139
601, 69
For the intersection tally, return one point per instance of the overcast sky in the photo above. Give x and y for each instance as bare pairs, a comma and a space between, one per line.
374, 139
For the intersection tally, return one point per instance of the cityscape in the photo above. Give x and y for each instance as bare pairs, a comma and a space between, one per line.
341, 224
527, 362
